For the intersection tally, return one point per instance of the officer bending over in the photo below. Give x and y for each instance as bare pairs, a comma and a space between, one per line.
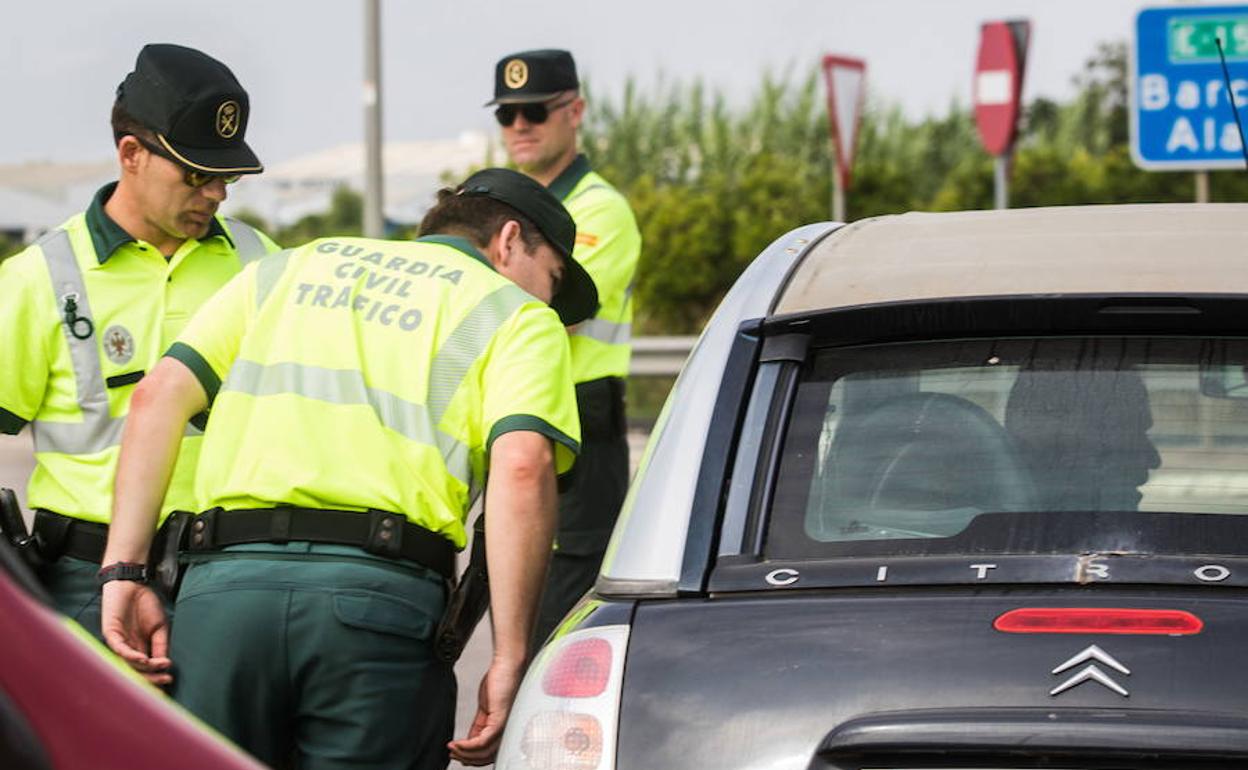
89, 308
359, 390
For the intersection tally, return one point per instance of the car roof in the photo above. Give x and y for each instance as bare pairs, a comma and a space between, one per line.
1150, 249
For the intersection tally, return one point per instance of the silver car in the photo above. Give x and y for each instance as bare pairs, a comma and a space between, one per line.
959, 490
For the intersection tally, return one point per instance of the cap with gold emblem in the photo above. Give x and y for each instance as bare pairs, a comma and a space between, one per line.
195, 106
533, 76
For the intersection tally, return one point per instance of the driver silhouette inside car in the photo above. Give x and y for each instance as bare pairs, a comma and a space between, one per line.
1083, 435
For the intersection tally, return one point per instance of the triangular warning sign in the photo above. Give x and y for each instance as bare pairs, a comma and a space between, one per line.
846, 79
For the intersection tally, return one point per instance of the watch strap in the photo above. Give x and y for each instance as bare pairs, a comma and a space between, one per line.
122, 570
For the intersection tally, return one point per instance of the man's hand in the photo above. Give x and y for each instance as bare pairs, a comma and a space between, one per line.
133, 621
494, 700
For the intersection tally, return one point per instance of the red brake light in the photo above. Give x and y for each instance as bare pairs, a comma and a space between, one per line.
580, 670
1098, 620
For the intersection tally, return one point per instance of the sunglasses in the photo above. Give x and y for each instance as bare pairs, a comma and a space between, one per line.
190, 176
534, 112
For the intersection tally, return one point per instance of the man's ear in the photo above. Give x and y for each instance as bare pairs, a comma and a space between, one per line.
577, 111
509, 242
129, 154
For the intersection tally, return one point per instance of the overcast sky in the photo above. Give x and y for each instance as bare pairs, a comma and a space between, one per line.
302, 61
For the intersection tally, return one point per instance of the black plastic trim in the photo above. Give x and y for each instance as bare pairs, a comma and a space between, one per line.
1027, 732
785, 347
1042, 315
749, 573
768, 468
701, 541
742, 490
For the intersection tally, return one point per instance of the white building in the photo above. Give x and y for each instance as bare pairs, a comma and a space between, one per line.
37, 196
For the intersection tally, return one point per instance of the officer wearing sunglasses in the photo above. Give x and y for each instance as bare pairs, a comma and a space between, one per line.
538, 105
90, 307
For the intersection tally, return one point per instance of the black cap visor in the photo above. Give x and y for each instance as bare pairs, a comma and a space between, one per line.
235, 159
525, 98
577, 298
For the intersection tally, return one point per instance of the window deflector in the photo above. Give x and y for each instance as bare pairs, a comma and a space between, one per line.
742, 485
754, 473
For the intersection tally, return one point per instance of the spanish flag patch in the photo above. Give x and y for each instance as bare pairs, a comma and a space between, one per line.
586, 239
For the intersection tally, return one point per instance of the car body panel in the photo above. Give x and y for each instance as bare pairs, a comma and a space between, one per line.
82, 706
761, 682
845, 659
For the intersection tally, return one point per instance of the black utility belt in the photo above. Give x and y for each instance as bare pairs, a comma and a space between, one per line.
61, 535
380, 533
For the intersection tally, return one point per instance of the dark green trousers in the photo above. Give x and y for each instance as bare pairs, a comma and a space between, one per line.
71, 582
316, 656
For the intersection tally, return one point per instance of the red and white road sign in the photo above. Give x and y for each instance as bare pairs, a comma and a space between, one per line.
999, 68
846, 79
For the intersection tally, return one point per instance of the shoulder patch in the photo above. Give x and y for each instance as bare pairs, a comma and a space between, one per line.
586, 239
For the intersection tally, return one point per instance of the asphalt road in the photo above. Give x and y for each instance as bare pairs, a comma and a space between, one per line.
16, 463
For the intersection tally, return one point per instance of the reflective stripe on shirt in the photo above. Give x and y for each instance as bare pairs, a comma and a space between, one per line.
605, 331
97, 431
247, 241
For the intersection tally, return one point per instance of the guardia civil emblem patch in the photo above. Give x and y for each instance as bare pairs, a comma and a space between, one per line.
227, 119
118, 344
516, 73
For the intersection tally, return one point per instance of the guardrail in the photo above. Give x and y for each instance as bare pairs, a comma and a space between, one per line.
660, 356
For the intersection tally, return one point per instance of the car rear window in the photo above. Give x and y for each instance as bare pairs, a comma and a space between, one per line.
916, 441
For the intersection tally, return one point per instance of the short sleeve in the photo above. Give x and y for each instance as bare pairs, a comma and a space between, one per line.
28, 326
210, 342
527, 382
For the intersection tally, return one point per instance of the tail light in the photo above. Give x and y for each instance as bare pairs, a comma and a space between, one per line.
566, 713
1098, 620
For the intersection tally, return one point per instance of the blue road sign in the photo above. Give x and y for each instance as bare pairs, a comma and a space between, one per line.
1181, 114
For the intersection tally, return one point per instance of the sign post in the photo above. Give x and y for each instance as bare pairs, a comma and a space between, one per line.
1182, 116
999, 68
846, 80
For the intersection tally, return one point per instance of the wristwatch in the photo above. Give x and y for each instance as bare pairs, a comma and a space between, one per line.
122, 570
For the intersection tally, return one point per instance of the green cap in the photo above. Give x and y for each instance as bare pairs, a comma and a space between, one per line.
195, 106
577, 298
533, 76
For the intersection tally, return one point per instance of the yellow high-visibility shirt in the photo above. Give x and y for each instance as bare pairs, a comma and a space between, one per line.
85, 312
358, 374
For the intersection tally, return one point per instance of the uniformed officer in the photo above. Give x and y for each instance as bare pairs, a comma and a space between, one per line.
359, 392
88, 309
540, 108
